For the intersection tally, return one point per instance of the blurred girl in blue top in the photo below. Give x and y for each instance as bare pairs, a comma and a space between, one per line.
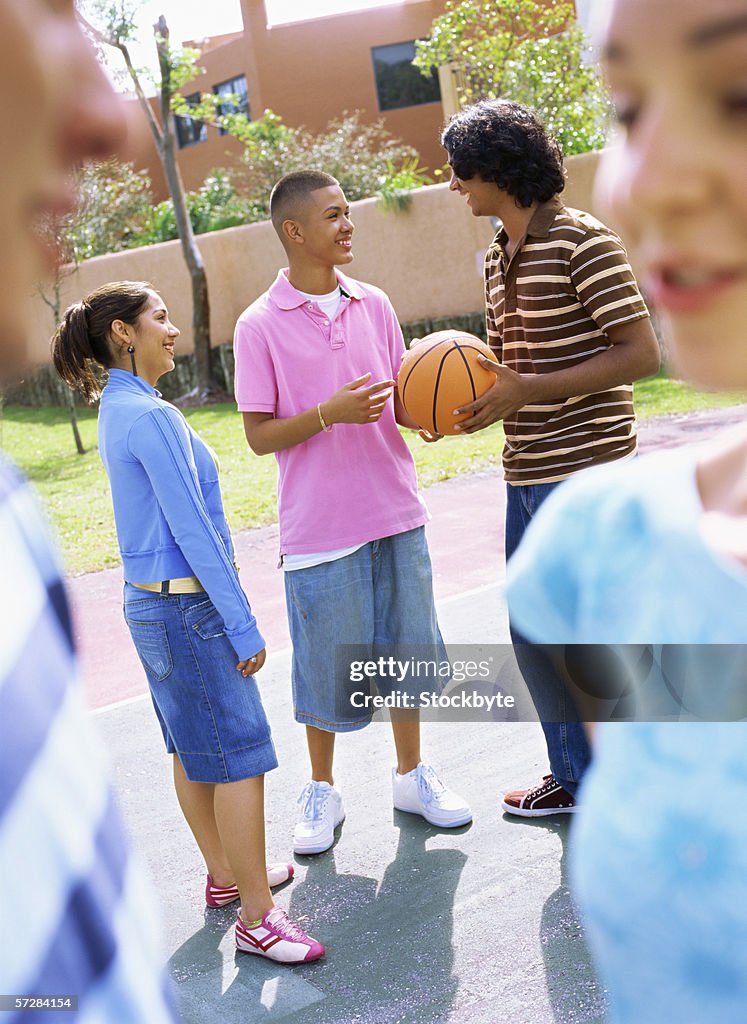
656, 552
189, 618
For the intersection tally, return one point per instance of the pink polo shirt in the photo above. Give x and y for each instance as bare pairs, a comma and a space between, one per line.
356, 483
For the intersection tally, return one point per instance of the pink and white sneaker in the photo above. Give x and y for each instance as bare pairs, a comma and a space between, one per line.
277, 938
221, 896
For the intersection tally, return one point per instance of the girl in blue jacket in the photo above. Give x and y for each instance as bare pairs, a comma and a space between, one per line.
189, 618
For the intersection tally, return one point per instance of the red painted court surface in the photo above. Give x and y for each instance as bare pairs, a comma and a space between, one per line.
466, 542
465, 537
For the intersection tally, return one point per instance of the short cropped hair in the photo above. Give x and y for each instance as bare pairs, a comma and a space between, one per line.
291, 191
506, 143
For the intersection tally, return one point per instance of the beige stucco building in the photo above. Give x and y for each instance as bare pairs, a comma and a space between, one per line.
309, 72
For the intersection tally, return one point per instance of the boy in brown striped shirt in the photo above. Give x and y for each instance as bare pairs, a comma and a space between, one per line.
571, 333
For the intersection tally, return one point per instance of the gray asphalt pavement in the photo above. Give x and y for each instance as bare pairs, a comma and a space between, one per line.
422, 926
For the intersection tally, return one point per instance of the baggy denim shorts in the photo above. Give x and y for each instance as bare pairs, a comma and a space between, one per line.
210, 715
379, 596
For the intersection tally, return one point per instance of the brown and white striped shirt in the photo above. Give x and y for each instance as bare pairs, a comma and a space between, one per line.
547, 308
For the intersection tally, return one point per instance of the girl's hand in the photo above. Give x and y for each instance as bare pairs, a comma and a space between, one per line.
253, 664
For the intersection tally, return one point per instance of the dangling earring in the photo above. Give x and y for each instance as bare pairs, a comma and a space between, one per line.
131, 350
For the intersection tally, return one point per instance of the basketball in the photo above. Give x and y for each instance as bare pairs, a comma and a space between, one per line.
440, 374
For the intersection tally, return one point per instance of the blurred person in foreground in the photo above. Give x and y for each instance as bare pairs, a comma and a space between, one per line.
660, 848
77, 916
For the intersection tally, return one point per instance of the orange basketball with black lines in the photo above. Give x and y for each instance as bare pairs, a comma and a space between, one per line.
440, 374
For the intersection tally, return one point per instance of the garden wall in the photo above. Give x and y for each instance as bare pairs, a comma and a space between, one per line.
427, 258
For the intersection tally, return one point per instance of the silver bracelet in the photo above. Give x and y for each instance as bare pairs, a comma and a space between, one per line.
325, 428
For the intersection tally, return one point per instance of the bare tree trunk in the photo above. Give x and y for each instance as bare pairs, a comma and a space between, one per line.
74, 422
55, 304
207, 385
164, 137
69, 394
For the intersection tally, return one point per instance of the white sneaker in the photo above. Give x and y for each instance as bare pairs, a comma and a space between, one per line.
422, 792
321, 812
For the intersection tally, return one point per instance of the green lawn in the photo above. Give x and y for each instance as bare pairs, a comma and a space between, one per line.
76, 493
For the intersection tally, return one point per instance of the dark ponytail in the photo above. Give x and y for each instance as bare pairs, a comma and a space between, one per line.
82, 338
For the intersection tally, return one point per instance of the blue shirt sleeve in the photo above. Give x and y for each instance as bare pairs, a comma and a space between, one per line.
160, 441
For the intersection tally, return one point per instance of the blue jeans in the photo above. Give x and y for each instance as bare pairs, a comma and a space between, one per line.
567, 746
380, 599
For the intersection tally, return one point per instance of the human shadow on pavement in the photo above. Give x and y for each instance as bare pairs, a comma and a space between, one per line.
216, 982
389, 944
572, 985
196, 966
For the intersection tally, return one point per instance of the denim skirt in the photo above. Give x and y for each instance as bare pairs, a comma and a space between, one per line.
210, 715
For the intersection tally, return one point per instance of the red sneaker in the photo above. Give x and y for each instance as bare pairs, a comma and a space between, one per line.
221, 895
277, 938
548, 797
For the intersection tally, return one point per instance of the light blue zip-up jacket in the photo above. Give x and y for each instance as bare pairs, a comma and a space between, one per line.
167, 503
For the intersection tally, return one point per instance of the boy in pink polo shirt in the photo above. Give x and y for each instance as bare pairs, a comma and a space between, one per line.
316, 360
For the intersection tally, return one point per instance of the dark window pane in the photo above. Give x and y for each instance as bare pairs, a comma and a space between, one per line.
398, 83
188, 130
235, 87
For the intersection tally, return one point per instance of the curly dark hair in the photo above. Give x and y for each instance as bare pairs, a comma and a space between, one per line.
505, 142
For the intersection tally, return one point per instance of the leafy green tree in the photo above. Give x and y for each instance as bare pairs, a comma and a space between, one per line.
114, 207
57, 230
364, 158
215, 205
115, 26
525, 50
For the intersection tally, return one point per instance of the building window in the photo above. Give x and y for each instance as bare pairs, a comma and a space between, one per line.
188, 130
398, 83
233, 87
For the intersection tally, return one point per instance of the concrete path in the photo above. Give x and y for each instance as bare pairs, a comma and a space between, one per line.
422, 926
469, 508
465, 537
